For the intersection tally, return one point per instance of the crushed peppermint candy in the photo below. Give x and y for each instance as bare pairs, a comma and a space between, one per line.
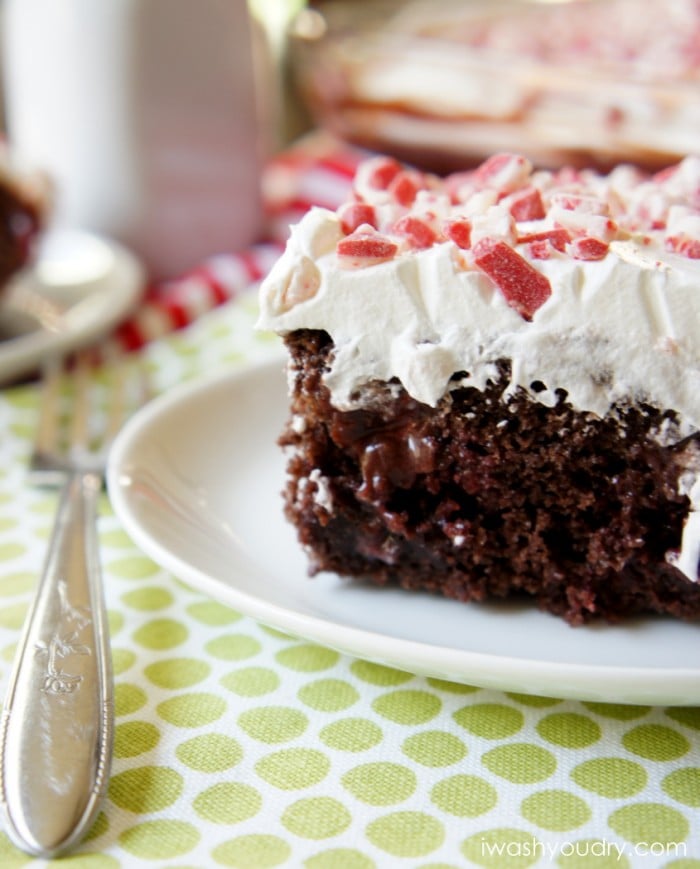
588, 248
526, 204
684, 245
459, 231
354, 214
366, 246
558, 238
506, 216
524, 288
417, 232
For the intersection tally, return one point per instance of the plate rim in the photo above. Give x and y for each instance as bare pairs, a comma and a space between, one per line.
21, 354
502, 671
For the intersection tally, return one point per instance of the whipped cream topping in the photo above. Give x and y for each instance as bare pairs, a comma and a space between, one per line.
587, 283
622, 327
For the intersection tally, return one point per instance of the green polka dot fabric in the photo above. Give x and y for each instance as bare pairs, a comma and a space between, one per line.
239, 746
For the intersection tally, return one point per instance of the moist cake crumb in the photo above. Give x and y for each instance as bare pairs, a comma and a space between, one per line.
577, 512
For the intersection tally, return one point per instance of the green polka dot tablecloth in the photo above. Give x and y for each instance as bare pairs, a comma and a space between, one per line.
238, 746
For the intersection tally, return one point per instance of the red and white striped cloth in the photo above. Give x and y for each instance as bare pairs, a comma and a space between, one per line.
317, 170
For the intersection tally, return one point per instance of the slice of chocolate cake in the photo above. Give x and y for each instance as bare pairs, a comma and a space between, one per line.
495, 384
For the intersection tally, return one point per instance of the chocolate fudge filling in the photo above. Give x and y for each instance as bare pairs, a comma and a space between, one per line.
486, 498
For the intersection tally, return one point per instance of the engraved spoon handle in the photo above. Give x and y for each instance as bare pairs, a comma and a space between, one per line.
57, 724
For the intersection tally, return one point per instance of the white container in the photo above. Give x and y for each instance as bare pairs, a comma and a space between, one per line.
145, 114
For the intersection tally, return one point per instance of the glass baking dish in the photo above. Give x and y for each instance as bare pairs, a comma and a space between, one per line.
592, 82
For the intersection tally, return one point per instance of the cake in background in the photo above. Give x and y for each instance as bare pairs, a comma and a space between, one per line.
147, 117
585, 82
495, 384
23, 209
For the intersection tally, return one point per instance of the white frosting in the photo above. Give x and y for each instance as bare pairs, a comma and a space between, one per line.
625, 327
621, 329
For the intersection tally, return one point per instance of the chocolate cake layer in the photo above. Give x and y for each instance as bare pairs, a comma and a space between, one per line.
487, 497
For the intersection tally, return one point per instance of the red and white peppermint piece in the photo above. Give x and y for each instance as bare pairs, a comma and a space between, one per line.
355, 214
365, 247
504, 172
684, 245
664, 175
541, 249
497, 222
526, 204
584, 223
580, 202
684, 182
652, 211
683, 220
377, 173
587, 248
525, 289
558, 238
460, 186
459, 231
417, 232
405, 186
479, 203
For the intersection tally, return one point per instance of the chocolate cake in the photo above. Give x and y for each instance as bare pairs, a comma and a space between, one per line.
495, 385
23, 204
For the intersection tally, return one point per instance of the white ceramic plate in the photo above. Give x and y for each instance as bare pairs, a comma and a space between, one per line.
195, 478
80, 288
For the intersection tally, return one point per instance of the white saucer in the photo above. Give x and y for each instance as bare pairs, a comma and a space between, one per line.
196, 478
80, 287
